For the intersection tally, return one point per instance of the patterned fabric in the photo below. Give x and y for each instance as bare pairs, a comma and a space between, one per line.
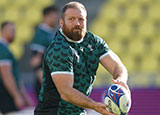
80, 59
6, 57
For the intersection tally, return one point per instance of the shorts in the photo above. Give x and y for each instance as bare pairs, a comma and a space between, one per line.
6, 101
37, 86
40, 110
45, 112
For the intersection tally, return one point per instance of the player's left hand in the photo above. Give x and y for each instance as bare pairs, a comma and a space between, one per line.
122, 84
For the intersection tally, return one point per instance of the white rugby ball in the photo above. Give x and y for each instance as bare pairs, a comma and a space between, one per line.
118, 99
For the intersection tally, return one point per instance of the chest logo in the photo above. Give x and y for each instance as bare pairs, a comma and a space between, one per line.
90, 47
81, 49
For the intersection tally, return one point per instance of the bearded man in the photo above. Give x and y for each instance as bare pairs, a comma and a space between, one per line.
70, 64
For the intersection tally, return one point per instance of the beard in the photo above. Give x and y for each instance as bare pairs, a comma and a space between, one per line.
76, 33
11, 39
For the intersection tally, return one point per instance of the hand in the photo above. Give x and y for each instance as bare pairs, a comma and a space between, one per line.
36, 60
28, 101
39, 74
122, 84
101, 108
19, 102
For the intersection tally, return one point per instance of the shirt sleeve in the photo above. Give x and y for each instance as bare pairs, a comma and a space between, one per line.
37, 42
102, 47
5, 62
60, 60
37, 47
4, 58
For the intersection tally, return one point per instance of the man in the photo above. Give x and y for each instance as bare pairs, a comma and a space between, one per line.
42, 38
70, 64
12, 95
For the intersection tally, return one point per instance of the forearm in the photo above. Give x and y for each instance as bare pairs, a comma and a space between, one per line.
25, 95
114, 65
77, 98
120, 73
23, 90
10, 85
36, 60
39, 74
64, 84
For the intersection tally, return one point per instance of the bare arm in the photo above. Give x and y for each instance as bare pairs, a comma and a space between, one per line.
10, 84
36, 59
8, 80
114, 65
64, 84
35, 62
25, 95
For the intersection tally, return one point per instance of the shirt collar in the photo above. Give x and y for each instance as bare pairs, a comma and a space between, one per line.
68, 39
3, 41
46, 27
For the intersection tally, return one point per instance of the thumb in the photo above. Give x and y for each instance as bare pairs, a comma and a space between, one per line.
114, 81
106, 105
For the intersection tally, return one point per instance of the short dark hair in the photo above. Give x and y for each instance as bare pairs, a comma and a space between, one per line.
49, 9
5, 23
75, 5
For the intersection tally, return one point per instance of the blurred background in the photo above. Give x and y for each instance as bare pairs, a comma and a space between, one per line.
131, 29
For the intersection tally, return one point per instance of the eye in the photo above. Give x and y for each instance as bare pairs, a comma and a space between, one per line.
81, 19
71, 19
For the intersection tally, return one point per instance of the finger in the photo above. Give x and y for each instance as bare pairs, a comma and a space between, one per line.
109, 113
114, 81
121, 83
117, 81
106, 106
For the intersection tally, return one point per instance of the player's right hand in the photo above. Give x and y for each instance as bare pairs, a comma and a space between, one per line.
101, 108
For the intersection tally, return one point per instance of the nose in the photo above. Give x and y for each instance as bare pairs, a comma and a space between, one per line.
77, 22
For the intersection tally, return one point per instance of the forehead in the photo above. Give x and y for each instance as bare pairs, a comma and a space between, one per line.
9, 26
52, 13
75, 12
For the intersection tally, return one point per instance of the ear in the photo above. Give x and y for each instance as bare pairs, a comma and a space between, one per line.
61, 22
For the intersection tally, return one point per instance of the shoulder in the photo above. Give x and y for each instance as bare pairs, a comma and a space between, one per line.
3, 48
39, 29
59, 46
39, 33
95, 38
4, 52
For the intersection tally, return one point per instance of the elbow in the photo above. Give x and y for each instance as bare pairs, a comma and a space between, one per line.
65, 95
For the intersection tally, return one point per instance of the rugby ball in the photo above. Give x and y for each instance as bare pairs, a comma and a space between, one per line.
118, 99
